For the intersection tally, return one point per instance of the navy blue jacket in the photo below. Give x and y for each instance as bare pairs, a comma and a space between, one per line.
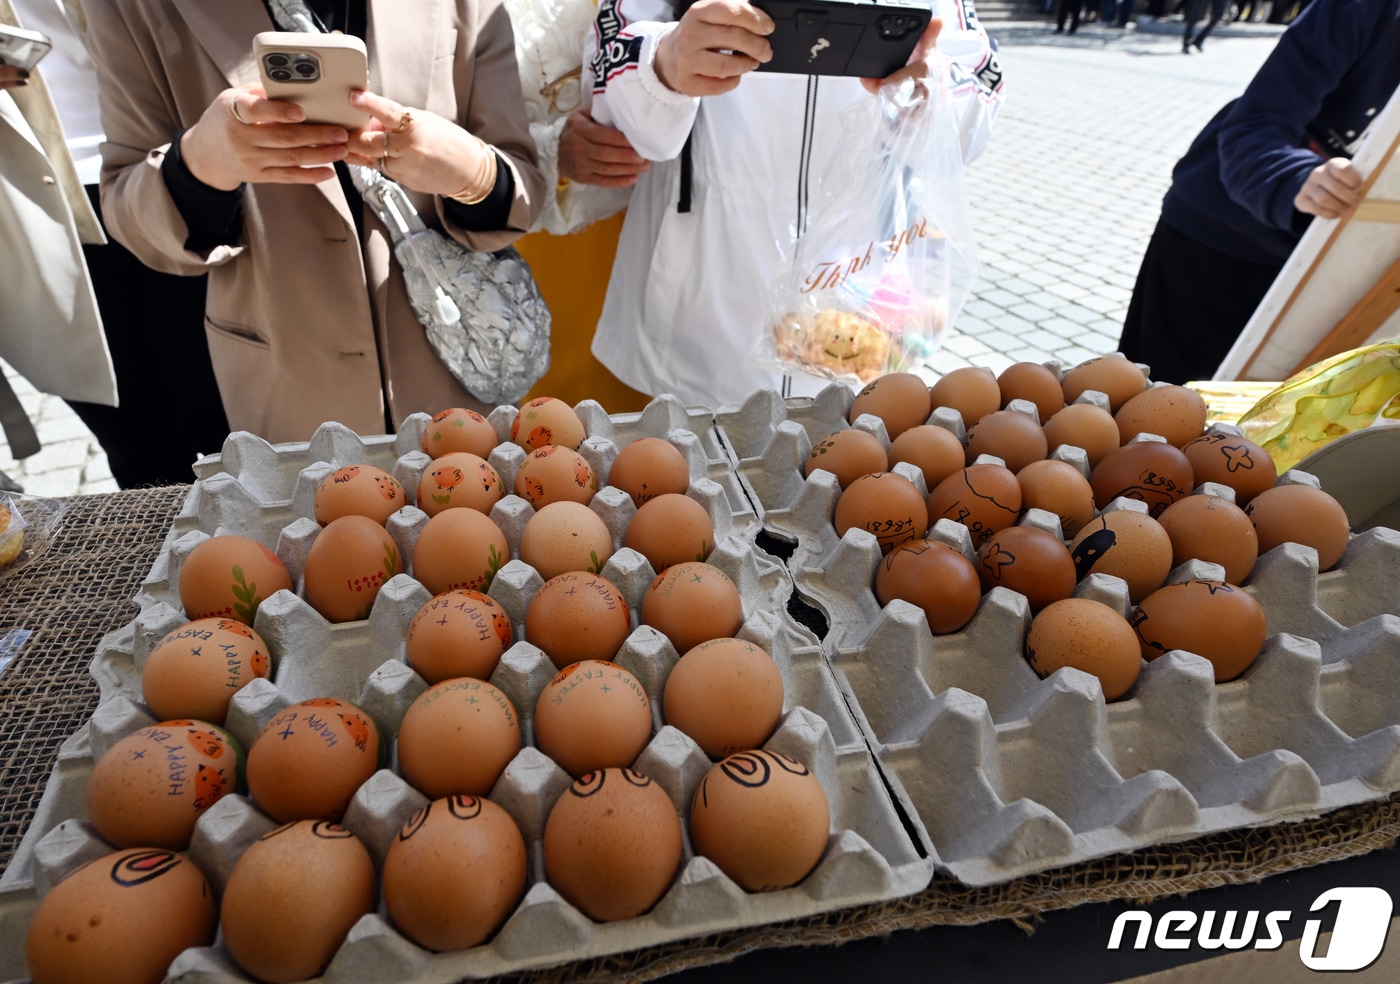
1330, 74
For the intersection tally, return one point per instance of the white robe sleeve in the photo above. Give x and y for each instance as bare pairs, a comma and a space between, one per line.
975, 77
620, 75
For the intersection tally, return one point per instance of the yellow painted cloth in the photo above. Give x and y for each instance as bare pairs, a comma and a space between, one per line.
573, 272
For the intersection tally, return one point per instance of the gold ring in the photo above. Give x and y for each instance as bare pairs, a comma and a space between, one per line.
384, 166
233, 109
405, 121
386, 142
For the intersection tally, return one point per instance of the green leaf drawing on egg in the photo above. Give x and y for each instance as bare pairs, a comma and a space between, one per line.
494, 561
247, 595
597, 566
391, 560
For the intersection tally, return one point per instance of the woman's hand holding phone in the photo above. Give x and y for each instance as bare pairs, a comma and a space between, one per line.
713, 46
418, 149
920, 64
244, 137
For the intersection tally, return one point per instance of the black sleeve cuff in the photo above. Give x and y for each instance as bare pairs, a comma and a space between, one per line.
492, 212
213, 217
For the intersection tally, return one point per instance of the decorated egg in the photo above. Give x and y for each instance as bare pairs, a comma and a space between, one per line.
612, 844
545, 420
1214, 619
984, 498
726, 694
194, 671
670, 529
592, 715
1235, 462
457, 738
121, 918
459, 429
1146, 471
459, 549
228, 576
885, 504
762, 818
848, 454
1086, 635
309, 759
1027, 560
900, 399
349, 561
933, 576
459, 478
455, 634
150, 788
292, 898
648, 467
1127, 544
358, 490
1301, 514
565, 536
577, 616
555, 474
692, 603
454, 873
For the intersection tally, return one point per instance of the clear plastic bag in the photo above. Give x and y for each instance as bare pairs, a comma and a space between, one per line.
889, 258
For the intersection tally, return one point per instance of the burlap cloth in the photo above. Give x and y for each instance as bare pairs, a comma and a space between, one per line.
82, 588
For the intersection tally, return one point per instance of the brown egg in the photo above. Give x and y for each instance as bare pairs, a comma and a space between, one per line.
576, 616
762, 818
120, 919
454, 873
1112, 375
545, 420
933, 576
692, 603
1214, 619
592, 715
1232, 461
726, 694
1030, 561
148, 789
349, 561
358, 490
458, 429
900, 399
648, 467
457, 634
228, 576
565, 536
459, 478
984, 498
885, 504
1089, 636
555, 474
1085, 426
457, 738
1301, 514
1147, 471
1212, 529
1169, 411
971, 391
459, 549
1125, 544
612, 844
1060, 488
1034, 383
848, 454
293, 897
194, 671
309, 759
670, 529
1010, 435
934, 450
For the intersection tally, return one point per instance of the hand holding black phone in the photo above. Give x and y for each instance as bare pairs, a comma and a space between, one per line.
841, 37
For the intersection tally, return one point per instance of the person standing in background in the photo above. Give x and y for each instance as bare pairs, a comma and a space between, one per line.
1254, 179
1195, 10
168, 410
50, 329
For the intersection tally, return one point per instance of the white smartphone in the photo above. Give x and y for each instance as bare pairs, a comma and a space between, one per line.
22, 49
316, 71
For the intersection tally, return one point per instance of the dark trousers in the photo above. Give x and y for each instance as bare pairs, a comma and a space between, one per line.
1189, 305
170, 411
1071, 9
1195, 11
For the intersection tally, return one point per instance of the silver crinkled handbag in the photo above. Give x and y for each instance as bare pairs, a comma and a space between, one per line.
482, 312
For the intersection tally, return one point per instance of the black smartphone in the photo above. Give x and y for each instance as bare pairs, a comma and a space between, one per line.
839, 37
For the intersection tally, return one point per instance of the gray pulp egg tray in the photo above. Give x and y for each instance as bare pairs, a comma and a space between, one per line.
266, 494
1009, 774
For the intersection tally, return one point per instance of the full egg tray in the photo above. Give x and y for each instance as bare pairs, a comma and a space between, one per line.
1009, 774
266, 492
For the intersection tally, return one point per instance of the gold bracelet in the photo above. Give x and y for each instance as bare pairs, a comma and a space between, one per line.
485, 182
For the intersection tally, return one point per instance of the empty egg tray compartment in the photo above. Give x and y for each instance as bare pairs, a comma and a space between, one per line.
252, 481
870, 856
1011, 774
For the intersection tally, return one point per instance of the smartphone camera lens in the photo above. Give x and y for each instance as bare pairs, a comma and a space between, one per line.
280, 74
306, 69
277, 61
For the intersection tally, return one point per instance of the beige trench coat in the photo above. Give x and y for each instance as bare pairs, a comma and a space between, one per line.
303, 327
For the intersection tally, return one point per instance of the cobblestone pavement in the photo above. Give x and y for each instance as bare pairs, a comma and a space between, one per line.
1063, 202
